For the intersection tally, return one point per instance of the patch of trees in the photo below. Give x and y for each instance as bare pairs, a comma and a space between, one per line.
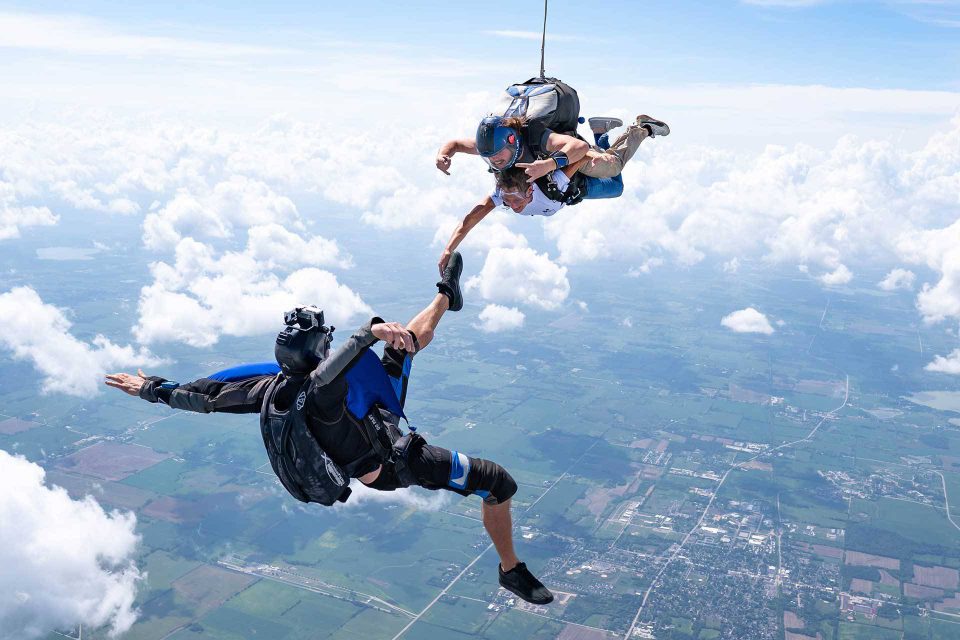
863, 537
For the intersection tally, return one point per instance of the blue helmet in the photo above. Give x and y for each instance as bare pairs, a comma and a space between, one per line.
493, 137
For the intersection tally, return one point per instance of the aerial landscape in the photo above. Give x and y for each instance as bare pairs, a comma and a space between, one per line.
729, 398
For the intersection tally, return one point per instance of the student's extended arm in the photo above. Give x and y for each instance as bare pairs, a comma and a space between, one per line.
573, 148
451, 147
472, 219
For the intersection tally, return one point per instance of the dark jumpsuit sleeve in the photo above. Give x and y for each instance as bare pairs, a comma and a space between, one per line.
209, 396
341, 359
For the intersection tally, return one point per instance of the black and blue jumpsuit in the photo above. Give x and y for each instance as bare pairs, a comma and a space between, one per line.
432, 467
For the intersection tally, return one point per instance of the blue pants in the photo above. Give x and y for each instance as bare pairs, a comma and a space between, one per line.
603, 187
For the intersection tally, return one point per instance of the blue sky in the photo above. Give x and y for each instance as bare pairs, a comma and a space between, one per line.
737, 74
906, 45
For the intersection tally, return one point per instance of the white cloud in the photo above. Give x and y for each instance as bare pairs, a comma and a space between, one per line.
203, 296
840, 275
238, 201
40, 333
646, 267
627, 322
946, 364
521, 275
273, 245
860, 200
747, 320
897, 279
65, 562
804, 205
14, 215
415, 497
939, 249
495, 318
732, 265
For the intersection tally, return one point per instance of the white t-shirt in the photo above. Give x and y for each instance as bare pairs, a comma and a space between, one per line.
541, 205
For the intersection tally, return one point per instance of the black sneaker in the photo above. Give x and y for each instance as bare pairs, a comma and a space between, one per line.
449, 284
654, 126
524, 584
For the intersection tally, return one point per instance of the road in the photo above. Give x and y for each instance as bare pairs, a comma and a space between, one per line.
946, 499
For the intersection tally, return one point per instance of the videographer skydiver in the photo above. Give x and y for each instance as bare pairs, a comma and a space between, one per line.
329, 416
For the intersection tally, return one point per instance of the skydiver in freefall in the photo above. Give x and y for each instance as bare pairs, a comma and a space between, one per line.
327, 417
550, 178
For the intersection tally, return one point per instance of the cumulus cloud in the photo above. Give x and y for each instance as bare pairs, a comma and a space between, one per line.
202, 295
521, 275
939, 249
495, 318
65, 562
415, 498
272, 245
14, 215
645, 267
237, 202
897, 279
946, 364
861, 200
840, 275
819, 207
747, 320
40, 333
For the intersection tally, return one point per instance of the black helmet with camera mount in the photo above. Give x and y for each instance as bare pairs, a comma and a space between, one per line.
304, 342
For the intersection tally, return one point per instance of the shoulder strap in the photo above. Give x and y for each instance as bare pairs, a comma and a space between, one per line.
536, 137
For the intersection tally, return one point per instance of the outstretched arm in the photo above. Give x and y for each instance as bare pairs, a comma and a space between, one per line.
451, 147
203, 395
472, 219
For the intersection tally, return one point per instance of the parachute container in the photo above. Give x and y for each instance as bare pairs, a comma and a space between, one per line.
547, 100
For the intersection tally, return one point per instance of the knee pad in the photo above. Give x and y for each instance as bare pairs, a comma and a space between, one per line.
481, 477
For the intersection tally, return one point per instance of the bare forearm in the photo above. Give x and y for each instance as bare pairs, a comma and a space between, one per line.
472, 219
461, 145
573, 148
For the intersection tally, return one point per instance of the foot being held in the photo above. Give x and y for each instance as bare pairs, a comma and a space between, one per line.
449, 284
524, 584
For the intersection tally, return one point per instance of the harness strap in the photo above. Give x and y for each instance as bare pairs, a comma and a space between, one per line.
376, 434
573, 194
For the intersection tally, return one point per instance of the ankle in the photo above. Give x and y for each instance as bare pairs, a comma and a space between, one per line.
512, 565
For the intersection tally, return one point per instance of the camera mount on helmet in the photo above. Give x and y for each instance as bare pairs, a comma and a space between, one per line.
304, 342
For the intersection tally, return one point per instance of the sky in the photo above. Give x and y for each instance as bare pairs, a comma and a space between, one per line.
251, 155
730, 64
